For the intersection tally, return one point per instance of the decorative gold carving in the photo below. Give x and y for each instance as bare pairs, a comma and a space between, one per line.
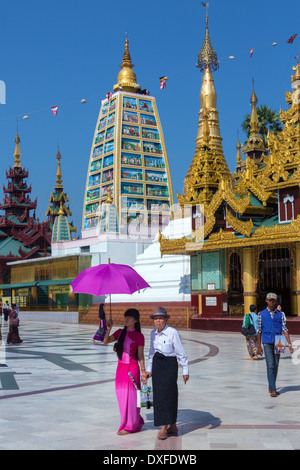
221, 235
245, 228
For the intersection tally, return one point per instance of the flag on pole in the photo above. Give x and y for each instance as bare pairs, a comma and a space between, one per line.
291, 39
54, 110
205, 4
251, 52
163, 82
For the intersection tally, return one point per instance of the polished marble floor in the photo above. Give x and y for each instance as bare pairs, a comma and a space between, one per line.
57, 393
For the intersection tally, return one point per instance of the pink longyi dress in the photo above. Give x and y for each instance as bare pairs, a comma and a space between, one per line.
131, 419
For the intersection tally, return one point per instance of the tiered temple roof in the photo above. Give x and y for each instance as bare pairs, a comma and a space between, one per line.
260, 201
22, 236
58, 211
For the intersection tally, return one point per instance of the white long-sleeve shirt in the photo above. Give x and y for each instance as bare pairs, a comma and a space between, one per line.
167, 342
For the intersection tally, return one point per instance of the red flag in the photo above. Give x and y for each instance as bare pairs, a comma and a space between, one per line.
54, 110
291, 39
251, 52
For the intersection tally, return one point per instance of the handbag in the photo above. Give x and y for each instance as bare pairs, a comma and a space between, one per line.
250, 331
146, 397
101, 332
279, 344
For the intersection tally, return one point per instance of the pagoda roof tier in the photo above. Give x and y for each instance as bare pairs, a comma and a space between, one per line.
16, 187
58, 196
52, 210
12, 220
17, 172
19, 202
30, 236
11, 248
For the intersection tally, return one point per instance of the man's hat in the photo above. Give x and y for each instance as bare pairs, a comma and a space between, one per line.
271, 295
160, 311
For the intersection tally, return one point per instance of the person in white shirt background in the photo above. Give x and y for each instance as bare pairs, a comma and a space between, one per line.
165, 352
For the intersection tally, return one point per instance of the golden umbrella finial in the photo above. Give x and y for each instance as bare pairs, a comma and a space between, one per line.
58, 173
207, 57
17, 153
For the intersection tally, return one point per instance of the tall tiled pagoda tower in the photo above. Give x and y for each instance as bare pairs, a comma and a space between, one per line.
128, 175
58, 211
22, 236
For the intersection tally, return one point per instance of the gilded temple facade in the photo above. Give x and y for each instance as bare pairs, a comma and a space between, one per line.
128, 180
246, 241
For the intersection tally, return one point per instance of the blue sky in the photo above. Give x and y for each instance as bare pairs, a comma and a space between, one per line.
56, 53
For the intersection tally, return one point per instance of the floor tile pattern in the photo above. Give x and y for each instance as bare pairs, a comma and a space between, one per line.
57, 393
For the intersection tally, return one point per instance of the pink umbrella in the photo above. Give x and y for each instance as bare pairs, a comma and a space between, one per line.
107, 279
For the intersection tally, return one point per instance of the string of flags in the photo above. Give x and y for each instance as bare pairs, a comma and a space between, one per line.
163, 79
289, 41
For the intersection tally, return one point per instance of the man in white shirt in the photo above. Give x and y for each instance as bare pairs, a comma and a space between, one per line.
165, 349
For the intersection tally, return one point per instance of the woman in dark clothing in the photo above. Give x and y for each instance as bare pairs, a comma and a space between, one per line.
13, 332
100, 333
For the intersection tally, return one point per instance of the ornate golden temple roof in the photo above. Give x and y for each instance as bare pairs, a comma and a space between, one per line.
247, 201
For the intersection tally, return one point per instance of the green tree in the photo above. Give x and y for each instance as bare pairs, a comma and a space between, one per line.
268, 120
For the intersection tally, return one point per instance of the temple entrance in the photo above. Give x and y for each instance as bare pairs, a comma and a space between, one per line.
274, 275
235, 286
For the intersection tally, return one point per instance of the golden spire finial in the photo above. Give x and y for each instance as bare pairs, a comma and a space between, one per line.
296, 76
17, 153
254, 118
126, 62
207, 57
255, 144
58, 173
238, 155
127, 77
207, 61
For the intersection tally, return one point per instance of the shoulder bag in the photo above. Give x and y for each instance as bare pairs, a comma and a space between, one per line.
249, 331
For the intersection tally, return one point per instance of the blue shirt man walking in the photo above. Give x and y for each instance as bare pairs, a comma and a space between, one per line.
271, 322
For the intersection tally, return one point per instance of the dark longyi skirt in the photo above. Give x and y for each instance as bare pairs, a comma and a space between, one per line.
165, 391
13, 335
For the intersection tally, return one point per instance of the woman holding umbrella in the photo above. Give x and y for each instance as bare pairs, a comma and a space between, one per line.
130, 352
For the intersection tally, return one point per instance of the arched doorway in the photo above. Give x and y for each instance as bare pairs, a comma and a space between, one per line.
235, 285
274, 275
